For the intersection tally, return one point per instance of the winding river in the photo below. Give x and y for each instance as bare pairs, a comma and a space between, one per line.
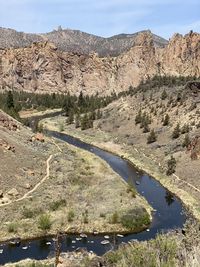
168, 213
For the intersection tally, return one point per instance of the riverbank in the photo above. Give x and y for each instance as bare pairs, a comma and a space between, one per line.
148, 164
81, 194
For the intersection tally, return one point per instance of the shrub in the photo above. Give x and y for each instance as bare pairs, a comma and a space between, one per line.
186, 141
166, 120
185, 129
12, 227
27, 213
70, 216
164, 95
151, 138
176, 131
44, 222
132, 221
57, 204
114, 218
132, 190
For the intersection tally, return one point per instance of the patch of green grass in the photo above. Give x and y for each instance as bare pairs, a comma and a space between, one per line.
57, 204
12, 227
133, 220
114, 218
44, 222
70, 216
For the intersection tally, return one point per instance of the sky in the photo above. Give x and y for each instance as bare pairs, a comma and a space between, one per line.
102, 17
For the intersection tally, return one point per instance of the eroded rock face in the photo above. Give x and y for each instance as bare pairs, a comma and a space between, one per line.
43, 68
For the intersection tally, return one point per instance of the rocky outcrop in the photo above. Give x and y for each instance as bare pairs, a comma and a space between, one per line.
44, 68
7, 122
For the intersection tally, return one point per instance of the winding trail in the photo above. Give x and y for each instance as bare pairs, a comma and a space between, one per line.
26, 195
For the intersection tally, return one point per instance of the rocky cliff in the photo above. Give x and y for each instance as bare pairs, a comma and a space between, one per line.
42, 67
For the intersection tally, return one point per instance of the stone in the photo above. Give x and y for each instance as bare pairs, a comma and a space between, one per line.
13, 192
1, 193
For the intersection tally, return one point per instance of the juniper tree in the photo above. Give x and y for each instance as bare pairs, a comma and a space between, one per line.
171, 166
186, 141
176, 131
9, 100
151, 138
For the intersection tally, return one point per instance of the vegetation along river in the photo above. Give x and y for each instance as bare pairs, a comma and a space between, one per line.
168, 213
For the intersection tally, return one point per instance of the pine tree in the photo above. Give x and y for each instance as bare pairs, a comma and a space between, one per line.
9, 100
171, 166
164, 95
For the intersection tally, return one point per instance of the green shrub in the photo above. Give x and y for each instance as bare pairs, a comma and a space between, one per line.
27, 213
171, 166
176, 131
132, 221
114, 218
12, 227
70, 216
57, 204
44, 222
131, 189
151, 138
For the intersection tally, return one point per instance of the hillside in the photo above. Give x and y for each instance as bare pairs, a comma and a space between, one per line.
42, 67
75, 41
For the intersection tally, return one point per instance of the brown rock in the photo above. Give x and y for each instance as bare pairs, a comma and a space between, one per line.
39, 137
1, 193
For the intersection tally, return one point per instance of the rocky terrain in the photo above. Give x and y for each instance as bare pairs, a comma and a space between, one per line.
75, 41
43, 67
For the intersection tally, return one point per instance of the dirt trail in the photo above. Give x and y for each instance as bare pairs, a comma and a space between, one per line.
39, 183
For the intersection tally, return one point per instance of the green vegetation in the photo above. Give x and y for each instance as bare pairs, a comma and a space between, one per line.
176, 132
70, 216
151, 138
157, 252
12, 227
171, 166
114, 218
186, 141
134, 219
57, 204
131, 189
44, 222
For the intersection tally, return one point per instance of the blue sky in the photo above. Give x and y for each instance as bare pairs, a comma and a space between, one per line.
102, 17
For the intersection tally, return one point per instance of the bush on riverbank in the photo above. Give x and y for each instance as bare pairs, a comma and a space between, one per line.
135, 219
44, 222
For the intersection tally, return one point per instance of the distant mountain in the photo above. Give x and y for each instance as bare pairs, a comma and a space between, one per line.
76, 41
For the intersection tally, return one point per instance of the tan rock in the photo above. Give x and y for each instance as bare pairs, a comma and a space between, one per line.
28, 186
13, 192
